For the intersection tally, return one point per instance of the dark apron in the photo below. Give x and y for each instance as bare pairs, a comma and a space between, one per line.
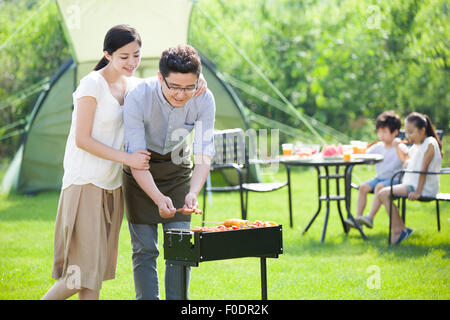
173, 180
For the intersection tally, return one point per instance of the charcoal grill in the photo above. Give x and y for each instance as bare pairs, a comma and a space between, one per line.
188, 248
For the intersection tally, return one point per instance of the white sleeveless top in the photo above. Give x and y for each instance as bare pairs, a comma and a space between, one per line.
416, 153
82, 167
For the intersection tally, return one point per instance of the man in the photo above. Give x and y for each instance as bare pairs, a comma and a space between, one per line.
158, 116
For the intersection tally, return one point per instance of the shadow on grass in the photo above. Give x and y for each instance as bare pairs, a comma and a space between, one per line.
419, 245
16, 207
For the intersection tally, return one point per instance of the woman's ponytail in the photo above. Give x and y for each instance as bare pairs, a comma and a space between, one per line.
431, 131
101, 64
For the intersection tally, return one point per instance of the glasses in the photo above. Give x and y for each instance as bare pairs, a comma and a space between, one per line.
187, 91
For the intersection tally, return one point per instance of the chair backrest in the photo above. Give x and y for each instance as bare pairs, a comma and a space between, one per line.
230, 147
402, 134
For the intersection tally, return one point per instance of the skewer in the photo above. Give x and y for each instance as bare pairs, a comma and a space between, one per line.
189, 211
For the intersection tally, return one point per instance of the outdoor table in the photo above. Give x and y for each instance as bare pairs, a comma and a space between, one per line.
318, 162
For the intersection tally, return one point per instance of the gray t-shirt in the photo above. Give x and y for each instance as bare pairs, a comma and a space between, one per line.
391, 163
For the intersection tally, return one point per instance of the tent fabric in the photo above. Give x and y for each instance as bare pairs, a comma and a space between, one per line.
161, 24
37, 166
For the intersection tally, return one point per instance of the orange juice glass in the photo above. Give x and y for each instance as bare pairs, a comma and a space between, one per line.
287, 149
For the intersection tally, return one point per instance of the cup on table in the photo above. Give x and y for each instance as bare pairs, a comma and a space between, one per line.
347, 150
359, 147
287, 149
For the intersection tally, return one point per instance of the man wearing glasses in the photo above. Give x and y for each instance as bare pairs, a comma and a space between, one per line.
159, 114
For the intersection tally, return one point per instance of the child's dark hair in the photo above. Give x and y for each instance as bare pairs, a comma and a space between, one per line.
117, 37
420, 121
180, 59
390, 120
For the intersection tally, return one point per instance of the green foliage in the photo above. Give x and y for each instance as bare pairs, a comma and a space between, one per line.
32, 48
341, 62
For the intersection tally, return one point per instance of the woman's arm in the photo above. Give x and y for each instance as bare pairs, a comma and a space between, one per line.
84, 140
427, 157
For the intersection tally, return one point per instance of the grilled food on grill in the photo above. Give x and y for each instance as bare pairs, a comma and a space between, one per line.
236, 224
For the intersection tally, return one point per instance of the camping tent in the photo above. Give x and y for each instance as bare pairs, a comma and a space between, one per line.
37, 165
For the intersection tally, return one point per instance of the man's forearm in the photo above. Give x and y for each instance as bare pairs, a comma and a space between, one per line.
201, 171
145, 180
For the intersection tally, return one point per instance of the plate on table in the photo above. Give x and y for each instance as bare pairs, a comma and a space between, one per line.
337, 157
365, 156
296, 158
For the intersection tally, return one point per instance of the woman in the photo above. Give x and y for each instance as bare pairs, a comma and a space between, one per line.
90, 210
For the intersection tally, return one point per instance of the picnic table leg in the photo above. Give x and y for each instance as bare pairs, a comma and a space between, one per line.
338, 193
327, 213
348, 181
320, 202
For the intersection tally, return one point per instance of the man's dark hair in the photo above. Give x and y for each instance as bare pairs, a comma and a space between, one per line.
389, 119
180, 59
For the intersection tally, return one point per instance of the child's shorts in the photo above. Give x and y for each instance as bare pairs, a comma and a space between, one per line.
386, 182
410, 188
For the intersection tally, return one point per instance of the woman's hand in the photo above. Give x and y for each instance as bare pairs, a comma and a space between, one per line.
202, 85
413, 195
139, 160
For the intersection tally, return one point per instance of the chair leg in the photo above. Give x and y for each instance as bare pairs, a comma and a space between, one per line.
246, 201
404, 210
390, 219
437, 213
291, 220
243, 212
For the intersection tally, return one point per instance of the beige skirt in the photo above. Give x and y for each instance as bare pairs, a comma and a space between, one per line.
87, 235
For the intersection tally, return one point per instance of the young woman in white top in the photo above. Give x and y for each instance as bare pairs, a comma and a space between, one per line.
91, 205
424, 155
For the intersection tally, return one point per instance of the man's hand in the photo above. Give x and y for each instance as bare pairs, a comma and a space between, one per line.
166, 208
190, 201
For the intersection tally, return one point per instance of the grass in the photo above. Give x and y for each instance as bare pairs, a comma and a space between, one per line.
340, 268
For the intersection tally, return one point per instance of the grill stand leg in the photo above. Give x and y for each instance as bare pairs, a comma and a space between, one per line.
184, 293
263, 279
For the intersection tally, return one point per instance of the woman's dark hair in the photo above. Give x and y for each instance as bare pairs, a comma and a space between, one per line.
180, 59
390, 120
117, 37
420, 121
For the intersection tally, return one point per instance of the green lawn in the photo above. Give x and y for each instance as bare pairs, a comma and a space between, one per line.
340, 268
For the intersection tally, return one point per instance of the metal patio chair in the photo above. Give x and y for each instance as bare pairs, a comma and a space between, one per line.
231, 152
403, 198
